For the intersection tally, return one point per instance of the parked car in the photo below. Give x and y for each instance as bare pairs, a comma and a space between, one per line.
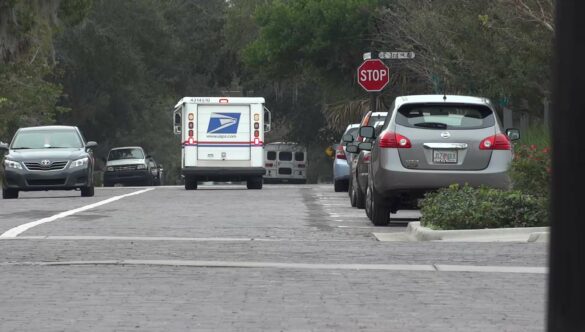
48, 158
131, 166
358, 173
340, 163
433, 141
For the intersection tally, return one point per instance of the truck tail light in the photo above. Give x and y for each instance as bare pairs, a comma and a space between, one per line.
301, 166
256, 133
390, 139
190, 133
269, 165
496, 142
366, 159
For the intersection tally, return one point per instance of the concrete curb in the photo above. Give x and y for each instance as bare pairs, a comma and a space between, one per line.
525, 234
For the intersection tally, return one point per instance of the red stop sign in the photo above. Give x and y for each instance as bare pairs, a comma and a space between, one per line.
373, 75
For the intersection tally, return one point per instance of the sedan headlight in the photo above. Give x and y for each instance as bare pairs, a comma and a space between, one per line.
12, 164
141, 166
79, 163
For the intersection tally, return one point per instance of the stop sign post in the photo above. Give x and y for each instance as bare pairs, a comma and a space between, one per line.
373, 75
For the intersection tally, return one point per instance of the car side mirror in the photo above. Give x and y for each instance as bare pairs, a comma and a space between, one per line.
513, 134
367, 132
365, 146
352, 148
347, 138
148, 156
91, 144
3, 147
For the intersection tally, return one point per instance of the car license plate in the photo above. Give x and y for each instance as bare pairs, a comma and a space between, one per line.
445, 156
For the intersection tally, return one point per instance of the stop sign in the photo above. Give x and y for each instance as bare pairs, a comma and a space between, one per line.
373, 75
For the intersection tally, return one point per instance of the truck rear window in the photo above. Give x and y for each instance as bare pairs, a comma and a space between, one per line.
445, 116
299, 156
271, 155
285, 156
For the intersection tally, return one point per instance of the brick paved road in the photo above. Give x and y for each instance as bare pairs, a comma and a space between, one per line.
290, 225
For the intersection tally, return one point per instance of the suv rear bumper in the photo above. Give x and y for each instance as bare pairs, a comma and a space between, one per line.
222, 173
395, 180
66, 179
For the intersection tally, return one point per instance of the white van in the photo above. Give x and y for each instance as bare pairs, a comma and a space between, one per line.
222, 139
285, 162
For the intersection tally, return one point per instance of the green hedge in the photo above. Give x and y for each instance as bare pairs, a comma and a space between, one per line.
465, 207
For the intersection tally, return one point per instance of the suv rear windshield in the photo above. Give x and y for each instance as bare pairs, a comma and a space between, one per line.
47, 139
126, 154
445, 116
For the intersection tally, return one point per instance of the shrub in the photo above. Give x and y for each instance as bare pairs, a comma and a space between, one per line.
530, 170
465, 207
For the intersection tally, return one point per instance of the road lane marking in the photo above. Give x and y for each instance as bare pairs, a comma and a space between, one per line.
162, 238
310, 266
14, 232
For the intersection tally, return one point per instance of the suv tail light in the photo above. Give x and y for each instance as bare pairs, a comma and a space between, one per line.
496, 142
390, 139
340, 154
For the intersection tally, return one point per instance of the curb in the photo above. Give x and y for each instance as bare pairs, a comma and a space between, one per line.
521, 234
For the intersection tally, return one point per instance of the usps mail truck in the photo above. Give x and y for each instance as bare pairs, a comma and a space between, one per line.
222, 139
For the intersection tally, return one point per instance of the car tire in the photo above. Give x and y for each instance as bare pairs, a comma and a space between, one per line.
9, 193
190, 184
88, 191
352, 194
360, 200
254, 183
376, 209
339, 186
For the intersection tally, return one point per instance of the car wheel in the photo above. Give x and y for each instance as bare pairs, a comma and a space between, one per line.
254, 183
368, 202
359, 197
87, 191
190, 184
9, 193
352, 193
379, 211
339, 186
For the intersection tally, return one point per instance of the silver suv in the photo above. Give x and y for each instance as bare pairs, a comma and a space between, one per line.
433, 141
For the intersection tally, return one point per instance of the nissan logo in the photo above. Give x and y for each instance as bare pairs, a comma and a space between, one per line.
445, 134
46, 163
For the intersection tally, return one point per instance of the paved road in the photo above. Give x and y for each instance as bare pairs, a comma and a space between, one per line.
225, 258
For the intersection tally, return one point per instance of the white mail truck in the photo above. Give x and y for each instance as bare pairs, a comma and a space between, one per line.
222, 139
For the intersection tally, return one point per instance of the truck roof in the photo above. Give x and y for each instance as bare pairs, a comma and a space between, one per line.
220, 100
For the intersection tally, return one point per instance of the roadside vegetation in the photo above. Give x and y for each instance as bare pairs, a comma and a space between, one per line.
526, 205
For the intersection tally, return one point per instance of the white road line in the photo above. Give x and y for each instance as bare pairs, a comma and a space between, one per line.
312, 266
14, 232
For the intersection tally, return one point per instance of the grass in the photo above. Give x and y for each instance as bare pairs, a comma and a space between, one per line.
538, 135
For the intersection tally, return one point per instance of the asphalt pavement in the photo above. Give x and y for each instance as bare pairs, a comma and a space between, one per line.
222, 258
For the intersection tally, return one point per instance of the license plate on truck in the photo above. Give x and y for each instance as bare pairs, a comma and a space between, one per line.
445, 156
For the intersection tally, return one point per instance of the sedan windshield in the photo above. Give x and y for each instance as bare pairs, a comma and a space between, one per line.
47, 139
126, 154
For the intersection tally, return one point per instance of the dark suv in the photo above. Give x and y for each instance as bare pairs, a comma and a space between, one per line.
48, 158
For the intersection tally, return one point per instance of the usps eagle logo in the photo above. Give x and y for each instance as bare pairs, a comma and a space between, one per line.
223, 123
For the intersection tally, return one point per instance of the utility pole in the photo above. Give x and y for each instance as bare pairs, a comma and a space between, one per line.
566, 296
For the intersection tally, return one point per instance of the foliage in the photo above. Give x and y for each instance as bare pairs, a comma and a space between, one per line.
537, 134
465, 207
531, 169
496, 49
29, 89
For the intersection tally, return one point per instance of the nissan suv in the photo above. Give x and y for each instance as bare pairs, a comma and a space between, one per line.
430, 142
48, 158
